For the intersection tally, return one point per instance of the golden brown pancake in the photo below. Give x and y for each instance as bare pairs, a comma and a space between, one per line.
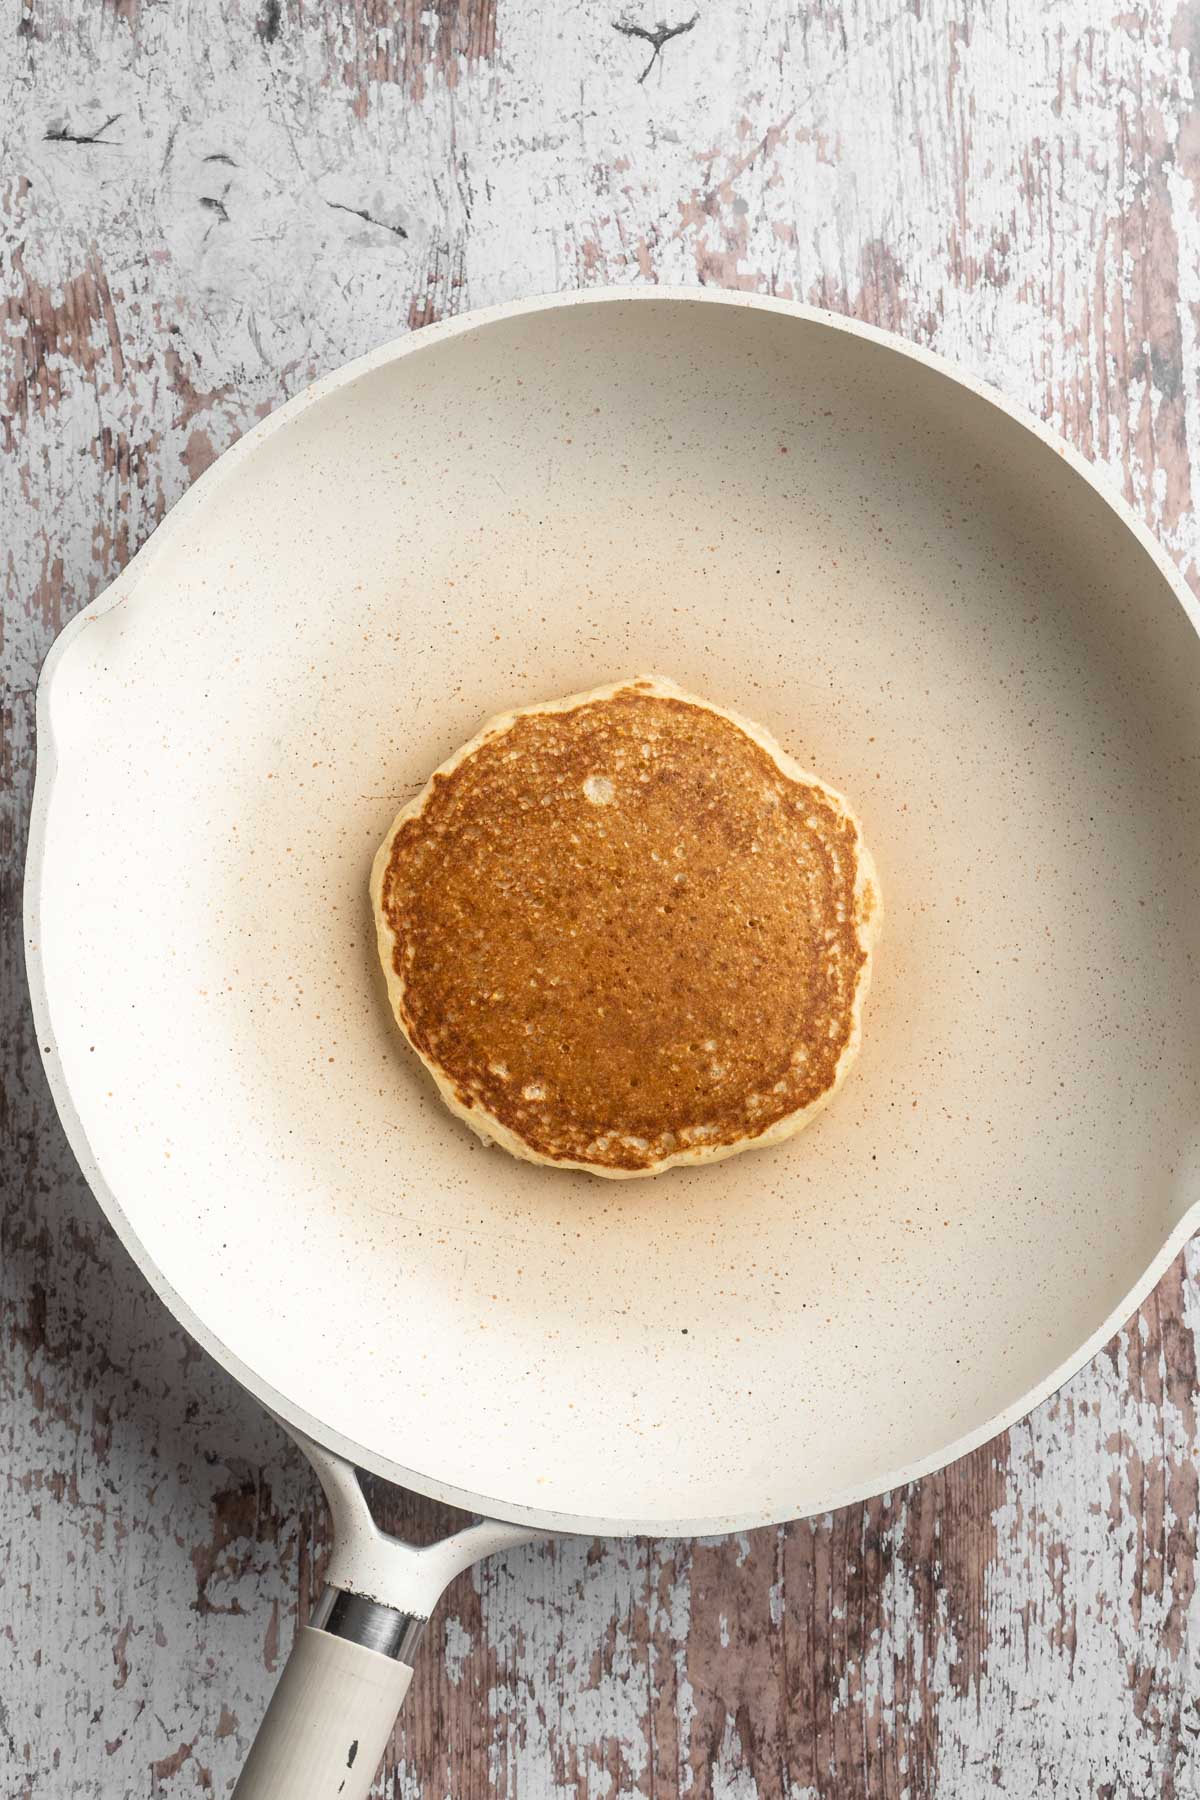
625, 931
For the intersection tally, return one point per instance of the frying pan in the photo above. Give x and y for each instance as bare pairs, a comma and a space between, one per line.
931, 600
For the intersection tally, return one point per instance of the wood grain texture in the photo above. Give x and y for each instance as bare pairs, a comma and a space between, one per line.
203, 207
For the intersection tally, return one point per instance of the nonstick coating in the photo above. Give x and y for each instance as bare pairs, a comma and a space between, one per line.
927, 600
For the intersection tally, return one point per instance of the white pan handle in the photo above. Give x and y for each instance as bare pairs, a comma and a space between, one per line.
331, 1716
328, 1723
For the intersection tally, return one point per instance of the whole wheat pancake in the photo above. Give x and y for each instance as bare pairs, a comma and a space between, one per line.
625, 931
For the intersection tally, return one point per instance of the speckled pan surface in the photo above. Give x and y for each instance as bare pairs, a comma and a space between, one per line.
926, 599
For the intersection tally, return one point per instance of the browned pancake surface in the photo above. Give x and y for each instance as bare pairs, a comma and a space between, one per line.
623, 931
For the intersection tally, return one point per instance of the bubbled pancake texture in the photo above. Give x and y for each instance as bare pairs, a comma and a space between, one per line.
624, 932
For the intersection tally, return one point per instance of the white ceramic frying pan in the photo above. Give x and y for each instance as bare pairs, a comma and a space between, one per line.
931, 601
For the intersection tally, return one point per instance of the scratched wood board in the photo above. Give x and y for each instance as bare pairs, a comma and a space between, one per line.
204, 207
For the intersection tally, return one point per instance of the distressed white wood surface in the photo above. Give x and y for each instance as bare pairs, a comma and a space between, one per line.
203, 206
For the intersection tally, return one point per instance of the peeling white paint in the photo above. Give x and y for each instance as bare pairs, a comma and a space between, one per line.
1016, 187
458, 1646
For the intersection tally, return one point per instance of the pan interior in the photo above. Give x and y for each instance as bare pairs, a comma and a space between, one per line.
926, 604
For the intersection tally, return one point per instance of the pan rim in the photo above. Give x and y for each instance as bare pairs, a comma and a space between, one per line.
130, 581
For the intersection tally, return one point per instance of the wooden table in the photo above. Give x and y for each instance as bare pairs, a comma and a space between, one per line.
207, 205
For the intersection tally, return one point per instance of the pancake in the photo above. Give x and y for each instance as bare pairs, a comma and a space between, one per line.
625, 931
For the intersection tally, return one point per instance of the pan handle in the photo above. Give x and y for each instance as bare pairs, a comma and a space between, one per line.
328, 1723
330, 1717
